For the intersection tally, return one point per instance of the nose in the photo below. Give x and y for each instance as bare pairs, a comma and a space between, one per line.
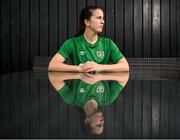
102, 21
102, 122
99, 114
102, 119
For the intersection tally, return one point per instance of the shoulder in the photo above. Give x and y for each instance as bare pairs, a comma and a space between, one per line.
107, 40
68, 41
72, 40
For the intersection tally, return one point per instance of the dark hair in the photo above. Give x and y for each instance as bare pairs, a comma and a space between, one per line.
86, 13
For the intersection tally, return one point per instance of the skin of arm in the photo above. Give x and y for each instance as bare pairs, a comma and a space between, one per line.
57, 64
121, 78
57, 78
121, 66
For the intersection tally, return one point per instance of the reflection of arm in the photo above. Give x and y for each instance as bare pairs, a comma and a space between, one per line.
122, 77
57, 78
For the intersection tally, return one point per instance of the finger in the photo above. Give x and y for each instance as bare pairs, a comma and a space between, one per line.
86, 63
84, 69
87, 80
88, 75
90, 70
84, 66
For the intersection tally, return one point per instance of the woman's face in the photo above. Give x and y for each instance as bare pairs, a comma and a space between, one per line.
96, 21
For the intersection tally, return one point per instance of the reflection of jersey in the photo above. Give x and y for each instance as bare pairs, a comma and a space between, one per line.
78, 92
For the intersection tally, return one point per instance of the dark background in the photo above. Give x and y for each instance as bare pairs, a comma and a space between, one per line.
140, 28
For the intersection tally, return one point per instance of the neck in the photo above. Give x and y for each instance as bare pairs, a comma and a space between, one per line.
90, 107
91, 37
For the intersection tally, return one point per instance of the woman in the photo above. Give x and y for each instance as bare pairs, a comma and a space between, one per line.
89, 52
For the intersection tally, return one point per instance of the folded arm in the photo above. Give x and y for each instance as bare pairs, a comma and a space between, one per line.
121, 66
57, 64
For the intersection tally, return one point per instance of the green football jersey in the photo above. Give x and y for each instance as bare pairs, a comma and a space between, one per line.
104, 51
78, 92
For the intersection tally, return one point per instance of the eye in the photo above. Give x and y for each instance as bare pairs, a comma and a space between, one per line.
102, 18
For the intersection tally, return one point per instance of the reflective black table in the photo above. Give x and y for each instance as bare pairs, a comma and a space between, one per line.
147, 106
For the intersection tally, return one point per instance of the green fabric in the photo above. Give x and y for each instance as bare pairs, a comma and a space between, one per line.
78, 92
79, 51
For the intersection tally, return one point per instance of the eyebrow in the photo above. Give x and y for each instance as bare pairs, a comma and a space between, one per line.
99, 16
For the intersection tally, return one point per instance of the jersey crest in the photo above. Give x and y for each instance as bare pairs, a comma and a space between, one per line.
100, 89
100, 54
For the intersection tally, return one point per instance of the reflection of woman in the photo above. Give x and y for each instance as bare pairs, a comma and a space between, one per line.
89, 93
89, 52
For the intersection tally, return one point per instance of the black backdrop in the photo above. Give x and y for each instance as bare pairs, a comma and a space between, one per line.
140, 28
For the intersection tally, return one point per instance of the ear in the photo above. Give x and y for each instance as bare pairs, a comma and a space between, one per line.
86, 120
86, 21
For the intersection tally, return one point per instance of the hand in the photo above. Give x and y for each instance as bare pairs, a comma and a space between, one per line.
89, 66
90, 78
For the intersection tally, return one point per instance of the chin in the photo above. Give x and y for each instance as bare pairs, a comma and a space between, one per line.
99, 31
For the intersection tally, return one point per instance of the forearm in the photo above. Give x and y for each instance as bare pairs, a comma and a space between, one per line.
118, 67
61, 76
113, 76
59, 66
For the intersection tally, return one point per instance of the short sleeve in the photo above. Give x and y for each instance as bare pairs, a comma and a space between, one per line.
63, 90
116, 88
66, 49
115, 55
66, 95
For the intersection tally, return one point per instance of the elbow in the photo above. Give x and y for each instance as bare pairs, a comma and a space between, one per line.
50, 66
127, 66
54, 66
55, 63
